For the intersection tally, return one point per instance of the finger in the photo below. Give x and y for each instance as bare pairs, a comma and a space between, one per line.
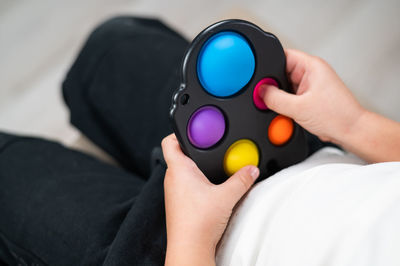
296, 65
279, 100
171, 150
239, 183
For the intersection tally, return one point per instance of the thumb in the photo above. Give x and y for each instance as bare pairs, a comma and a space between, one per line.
279, 100
239, 183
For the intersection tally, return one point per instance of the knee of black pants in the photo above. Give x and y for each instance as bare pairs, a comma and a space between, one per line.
99, 42
120, 53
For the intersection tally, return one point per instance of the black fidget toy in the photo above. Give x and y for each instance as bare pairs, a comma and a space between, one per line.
217, 115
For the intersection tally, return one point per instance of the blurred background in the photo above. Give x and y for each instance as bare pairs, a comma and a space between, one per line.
40, 39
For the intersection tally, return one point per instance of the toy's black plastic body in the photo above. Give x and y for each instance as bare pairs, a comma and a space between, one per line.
243, 119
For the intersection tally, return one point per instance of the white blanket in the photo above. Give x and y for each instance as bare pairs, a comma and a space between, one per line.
331, 209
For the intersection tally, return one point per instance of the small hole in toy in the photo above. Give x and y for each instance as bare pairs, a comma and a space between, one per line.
272, 167
184, 99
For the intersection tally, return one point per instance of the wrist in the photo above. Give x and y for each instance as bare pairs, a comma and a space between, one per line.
189, 253
351, 128
352, 134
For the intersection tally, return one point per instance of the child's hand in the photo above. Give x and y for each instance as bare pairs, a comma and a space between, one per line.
197, 211
323, 104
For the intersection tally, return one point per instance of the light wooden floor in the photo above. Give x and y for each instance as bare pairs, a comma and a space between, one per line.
39, 40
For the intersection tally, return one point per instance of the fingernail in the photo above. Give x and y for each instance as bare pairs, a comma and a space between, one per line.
254, 173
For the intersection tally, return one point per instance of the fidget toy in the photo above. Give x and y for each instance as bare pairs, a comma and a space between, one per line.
217, 115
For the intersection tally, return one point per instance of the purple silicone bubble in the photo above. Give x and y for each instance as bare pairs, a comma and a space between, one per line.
206, 127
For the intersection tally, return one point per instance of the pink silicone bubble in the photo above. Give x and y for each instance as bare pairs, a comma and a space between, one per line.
258, 101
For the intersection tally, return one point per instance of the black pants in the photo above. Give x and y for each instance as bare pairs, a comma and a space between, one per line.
62, 207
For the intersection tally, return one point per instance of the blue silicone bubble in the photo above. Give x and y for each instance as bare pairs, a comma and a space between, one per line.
225, 64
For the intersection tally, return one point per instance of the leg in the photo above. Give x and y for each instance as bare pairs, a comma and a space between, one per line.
120, 87
61, 207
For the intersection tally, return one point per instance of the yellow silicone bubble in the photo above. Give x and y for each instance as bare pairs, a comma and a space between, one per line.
241, 153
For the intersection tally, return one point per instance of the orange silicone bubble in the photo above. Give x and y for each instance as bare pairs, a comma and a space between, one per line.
280, 130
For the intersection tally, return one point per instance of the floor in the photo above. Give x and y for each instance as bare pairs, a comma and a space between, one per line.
39, 41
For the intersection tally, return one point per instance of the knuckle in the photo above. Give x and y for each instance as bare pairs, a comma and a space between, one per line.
318, 61
300, 104
164, 142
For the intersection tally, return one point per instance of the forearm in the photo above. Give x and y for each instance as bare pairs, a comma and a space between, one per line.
373, 138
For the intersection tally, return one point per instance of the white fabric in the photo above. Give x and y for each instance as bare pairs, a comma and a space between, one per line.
331, 209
